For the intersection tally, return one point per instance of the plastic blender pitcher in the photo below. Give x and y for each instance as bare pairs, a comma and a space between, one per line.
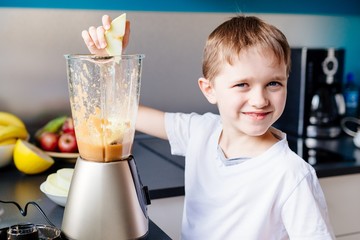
104, 98
106, 198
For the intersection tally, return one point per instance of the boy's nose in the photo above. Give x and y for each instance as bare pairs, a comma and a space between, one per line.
258, 99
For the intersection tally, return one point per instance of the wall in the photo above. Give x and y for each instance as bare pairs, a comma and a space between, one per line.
33, 42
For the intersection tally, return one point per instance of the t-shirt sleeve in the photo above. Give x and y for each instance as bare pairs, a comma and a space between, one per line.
177, 126
305, 213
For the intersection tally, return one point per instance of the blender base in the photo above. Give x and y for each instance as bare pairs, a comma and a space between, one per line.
106, 201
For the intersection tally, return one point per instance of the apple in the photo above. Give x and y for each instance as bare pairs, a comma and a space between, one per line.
114, 36
48, 141
68, 126
67, 143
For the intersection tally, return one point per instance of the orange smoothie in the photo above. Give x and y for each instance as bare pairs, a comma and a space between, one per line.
104, 140
107, 153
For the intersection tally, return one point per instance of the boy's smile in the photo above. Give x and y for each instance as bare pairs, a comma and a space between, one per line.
250, 92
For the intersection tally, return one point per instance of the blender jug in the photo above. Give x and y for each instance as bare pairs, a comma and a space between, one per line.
106, 198
104, 97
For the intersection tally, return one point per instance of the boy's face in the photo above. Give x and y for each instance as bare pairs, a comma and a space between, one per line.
250, 93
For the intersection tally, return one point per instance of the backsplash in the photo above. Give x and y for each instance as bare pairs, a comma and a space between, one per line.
32, 65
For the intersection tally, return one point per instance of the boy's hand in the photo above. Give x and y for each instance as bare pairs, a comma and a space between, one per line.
94, 38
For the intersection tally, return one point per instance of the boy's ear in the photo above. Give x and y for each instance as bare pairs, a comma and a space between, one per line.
207, 89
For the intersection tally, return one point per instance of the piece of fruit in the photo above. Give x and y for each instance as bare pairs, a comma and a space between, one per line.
12, 131
29, 159
114, 36
64, 176
7, 118
53, 126
53, 187
49, 141
8, 141
67, 143
6, 155
68, 126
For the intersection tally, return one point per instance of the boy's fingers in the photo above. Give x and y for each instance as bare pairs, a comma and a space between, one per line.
93, 35
87, 39
89, 42
106, 21
101, 36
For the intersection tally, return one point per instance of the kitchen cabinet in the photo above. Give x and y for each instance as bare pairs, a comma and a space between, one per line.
350, 237
342, 194
167, 214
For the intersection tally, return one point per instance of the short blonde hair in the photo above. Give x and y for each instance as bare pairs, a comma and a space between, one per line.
240, 33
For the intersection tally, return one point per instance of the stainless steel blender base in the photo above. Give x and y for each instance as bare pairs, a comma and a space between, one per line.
106, 201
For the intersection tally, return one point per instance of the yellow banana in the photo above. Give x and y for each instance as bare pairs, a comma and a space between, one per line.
8, 141
7, 118
11, 131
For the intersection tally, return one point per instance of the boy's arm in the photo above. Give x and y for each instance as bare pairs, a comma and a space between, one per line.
151, 121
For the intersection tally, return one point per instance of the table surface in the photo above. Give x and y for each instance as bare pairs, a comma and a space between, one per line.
158, 169
21, 188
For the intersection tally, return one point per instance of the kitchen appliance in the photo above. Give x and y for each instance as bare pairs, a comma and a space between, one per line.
317, 151
315, 104
106, 198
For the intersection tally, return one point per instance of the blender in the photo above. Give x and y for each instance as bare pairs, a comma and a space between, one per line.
106, 198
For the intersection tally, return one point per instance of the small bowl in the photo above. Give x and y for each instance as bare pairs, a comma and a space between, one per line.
6, 154
60, 200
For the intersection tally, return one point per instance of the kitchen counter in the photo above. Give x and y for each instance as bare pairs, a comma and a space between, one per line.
15, 186
164, 173
329, 157
160, 171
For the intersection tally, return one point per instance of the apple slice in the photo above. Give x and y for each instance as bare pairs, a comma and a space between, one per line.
64, 176
114, 36
52, 186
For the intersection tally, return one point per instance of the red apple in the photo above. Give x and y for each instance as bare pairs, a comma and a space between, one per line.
68, 126
67, 143
49, 141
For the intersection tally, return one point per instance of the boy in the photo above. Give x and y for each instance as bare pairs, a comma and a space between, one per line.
242, 181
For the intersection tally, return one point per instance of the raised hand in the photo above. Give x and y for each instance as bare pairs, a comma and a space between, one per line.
94, 37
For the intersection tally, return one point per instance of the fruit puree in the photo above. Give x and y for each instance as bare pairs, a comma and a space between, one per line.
108, 153
104, 140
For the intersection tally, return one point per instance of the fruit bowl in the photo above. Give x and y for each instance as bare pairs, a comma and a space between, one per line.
57, 185
69, 157
58, 199
63, 155
6, 154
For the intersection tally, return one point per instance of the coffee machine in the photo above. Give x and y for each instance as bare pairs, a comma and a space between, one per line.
315, 104
106, 198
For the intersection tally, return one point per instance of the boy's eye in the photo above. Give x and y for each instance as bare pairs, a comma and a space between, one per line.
241, 85
274, 84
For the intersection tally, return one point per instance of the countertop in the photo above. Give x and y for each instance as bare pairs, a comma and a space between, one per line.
15, 186
162, 173
329, 157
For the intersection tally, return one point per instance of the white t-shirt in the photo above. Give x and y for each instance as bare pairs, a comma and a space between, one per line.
272, 196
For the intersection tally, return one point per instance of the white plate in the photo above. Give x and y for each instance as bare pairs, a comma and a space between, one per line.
62, 155
60, 200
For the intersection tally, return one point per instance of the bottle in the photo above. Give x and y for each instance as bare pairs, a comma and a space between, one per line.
351, 95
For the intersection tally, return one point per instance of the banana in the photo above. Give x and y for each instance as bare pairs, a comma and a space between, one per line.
52, 126
10, 119
12, 131
8, 141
